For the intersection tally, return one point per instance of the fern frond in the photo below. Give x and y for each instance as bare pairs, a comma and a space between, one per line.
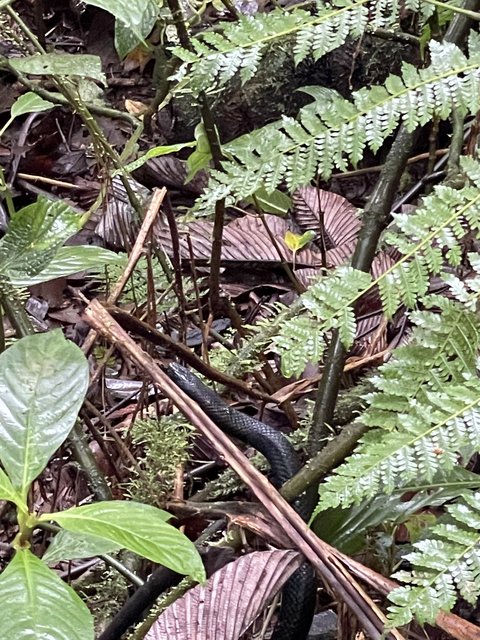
426, 408
331, 134
429, 443
328, 302
298, 336
299, 342
445, 565
430, 239
424, 9
239, 48
443, 350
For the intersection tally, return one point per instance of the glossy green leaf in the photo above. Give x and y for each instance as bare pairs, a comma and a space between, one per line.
125, 40
60, 64
34, 235
138, 527
306, 237
68, 545
27, 103
67, 261
200, 158
155, 152
38, 605
138, 16
43, 381
277, 202
347, 528
7, 491
30, 103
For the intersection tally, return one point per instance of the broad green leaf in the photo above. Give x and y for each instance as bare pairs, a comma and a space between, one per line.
38, 605
67, 261
43, 381
27, 103
155, 152
276, 202
30, 103
137, 16
125, 40
88, 91
200, 158
306, 237
61, 64
138, 527
68, 545
34, 236
347, 528
7, 491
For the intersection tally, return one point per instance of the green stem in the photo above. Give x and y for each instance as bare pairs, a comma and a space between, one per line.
472, 15
5, 190
456, 144
85, 458
15, 311
334, 453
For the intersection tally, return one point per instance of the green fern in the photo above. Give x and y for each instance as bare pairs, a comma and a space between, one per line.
426, 408
430, 441
297, 332
217, 57
445, 565
466, 292
442, 352
430, 240
332, 133
328, 306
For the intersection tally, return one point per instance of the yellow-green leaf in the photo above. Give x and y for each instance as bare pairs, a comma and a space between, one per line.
292, 240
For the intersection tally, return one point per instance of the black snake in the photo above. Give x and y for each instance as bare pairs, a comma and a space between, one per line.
298, 598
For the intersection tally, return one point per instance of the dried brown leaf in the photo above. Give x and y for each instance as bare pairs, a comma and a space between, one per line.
245, 240
326, 213
224, 607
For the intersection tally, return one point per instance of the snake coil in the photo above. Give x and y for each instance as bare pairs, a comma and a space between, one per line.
298, 598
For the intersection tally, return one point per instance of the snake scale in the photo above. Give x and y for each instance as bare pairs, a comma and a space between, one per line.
298, 598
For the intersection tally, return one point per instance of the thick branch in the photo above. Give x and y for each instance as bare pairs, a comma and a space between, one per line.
375, 219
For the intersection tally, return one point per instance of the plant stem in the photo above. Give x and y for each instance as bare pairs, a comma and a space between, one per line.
334, 452
375, 219
14, 310
217, 156
464, 11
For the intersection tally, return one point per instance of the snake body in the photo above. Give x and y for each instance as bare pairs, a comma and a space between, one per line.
298, 599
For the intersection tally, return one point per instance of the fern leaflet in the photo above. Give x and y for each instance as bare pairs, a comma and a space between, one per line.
327, 302
445, 564
426, 408
217, 57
